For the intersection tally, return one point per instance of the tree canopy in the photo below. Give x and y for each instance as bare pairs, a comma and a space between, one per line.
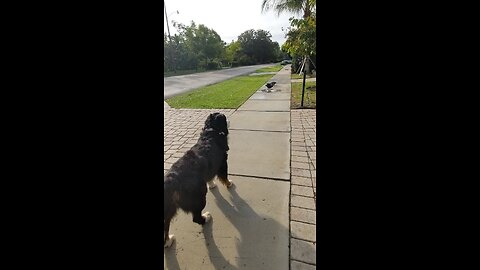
199, 47
301, 36
204, 44
257, 47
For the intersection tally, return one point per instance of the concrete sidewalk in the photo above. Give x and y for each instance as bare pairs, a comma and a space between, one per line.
267, 221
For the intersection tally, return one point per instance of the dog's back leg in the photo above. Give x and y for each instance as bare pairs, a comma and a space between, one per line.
169, 212
211, 184
223, 174
168, 238
198, 217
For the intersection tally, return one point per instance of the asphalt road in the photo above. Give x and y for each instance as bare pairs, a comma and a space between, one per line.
181, 84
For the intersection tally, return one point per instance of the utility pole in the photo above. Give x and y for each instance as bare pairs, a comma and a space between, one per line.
169, 37
168, 28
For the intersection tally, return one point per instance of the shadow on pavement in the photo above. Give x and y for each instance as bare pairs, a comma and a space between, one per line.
171, 257
216, 256
249, 230
253, 229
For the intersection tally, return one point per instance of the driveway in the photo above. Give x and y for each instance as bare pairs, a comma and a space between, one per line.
177, 85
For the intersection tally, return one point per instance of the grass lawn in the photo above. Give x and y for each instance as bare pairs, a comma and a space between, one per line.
310, 97
296, 76
270, 69
229, 94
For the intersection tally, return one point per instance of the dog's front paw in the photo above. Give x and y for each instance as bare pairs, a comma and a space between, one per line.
230, 183
207, 216
211, 184
170, 240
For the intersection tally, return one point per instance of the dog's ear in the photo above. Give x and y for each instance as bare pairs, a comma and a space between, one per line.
217, 121
220, 123
209, 121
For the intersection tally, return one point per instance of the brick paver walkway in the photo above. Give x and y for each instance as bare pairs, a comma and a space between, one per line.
303, 190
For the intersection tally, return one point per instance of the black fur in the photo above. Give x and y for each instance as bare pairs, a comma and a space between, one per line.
185, 183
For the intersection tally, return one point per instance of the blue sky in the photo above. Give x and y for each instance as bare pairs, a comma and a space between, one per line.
229, 18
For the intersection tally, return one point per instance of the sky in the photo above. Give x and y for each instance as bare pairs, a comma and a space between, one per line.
229, 18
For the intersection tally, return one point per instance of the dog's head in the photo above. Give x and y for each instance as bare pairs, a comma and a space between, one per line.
218, 122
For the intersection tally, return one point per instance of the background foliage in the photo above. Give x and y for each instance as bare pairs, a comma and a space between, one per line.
197, 47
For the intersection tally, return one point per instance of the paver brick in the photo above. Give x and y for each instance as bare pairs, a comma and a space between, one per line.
299, 159
298, 143
300, 165
299, 148
302, 190
178, 154
303, 251
296, 265
299, 153
167, 166
304, 202
303, 215
303, 181
303, 231
301, 172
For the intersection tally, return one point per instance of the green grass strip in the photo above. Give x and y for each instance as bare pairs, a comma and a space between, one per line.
309, 99
229, 94
270, 69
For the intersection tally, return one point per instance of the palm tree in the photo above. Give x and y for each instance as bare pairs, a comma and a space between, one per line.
294, 6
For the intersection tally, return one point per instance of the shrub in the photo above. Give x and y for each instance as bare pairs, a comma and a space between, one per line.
214, 64
246, 60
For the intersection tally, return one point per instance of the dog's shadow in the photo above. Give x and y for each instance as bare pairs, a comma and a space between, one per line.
171, 257
259, 235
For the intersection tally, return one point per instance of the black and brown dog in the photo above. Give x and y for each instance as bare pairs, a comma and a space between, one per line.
185, 184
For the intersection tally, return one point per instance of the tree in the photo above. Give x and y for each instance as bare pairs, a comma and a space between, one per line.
168, 54
308, 9
301, 37
295, 6
278, 55
232, 52
256, 47
301, 41
203, 41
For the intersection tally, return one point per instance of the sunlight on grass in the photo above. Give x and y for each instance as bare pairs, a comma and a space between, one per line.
270, 69
229, 94
297, 76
